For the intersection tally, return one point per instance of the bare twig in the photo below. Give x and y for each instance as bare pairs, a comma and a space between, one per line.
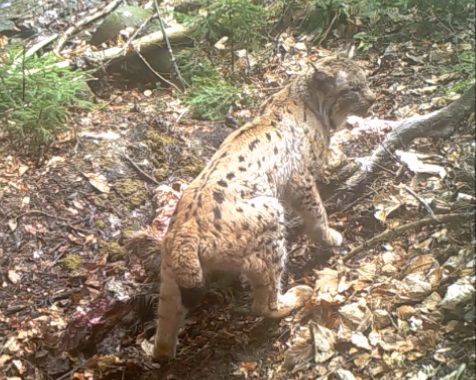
143, 174
421, 201
327, 31
161, 77
136, 32
169, 47
392, 233
32, 50
85, 21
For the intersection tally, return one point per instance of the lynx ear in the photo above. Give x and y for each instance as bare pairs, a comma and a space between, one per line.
322, 75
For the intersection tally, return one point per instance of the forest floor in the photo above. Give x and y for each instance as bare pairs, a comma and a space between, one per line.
75, 304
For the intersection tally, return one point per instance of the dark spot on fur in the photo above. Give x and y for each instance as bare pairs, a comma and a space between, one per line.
274, 228
216, 213
268, 136
241, 158
222, 183
241, 133
253, 144
242, 169
218, 196
275, 150
217, 226
242, 193
253, 205
224, 154
246, 226
273, 123
266, 206
230, 176
199, 201
260, 218
239, 209
279, 134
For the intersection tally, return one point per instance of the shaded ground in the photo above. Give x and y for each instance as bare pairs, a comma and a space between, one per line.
73, 304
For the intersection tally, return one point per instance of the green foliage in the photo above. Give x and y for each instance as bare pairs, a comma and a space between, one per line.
194, 62
36, 98
465, 66
242, 21
210, 98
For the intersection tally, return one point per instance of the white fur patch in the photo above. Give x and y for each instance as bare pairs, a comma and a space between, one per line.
341, 78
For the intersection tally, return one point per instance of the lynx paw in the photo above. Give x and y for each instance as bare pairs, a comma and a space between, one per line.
293, 299
162, 352
334, 238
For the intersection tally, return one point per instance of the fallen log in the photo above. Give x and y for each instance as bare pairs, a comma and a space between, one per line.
174, 33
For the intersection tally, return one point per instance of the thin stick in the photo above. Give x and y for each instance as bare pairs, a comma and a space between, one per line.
392, 233
87, 20
32, 50
169, 47
326, 32
136, 32
161, 77
421, 201
147, 177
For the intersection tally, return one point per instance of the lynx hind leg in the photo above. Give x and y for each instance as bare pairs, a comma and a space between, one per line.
171, 315
304, 198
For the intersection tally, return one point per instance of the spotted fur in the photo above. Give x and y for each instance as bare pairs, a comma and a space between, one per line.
231, 217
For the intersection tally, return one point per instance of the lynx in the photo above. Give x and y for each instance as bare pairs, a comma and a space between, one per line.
231, 217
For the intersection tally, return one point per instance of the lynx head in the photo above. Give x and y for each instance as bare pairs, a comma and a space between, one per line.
338, 88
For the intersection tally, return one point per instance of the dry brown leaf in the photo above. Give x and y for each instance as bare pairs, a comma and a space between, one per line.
360, 340
327, 282
357, 314
324, 341
459, 293
13, 276
300, 353
422, 263
405, 311
367, 271
381, 318
415, 287
98, 181
362, 360
344, 374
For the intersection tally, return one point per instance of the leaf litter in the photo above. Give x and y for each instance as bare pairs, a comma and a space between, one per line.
403, 310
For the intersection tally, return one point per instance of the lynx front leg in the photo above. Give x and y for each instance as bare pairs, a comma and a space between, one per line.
304, 198
264, 272
171, 314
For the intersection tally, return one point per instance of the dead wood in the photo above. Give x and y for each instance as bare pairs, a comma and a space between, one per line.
85, 21
169, 47
394, 232
439, 123
174, 33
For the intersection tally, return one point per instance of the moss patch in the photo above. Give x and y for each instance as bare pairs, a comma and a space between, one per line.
112, 249
132, 190
71, 262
